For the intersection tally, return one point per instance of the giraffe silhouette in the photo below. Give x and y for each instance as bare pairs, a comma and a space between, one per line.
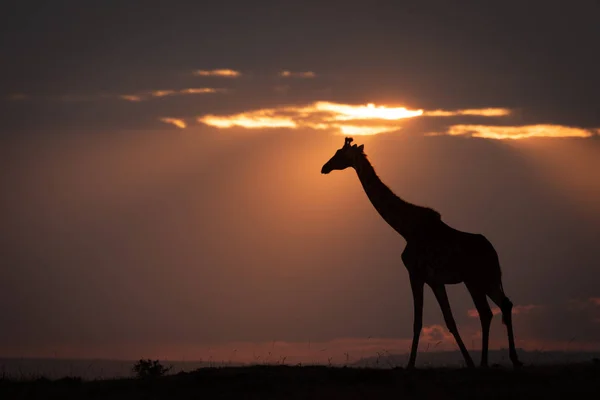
435, 254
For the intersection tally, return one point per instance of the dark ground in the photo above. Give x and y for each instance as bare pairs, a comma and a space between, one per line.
316, 382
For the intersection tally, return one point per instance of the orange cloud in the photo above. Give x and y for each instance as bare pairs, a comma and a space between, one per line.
483, 112
225, 73
346, 112
200, 90
518, 132
174, 121
266, 118
472, 312
290, 74
366, 119
162, 93
371, 119
131, 97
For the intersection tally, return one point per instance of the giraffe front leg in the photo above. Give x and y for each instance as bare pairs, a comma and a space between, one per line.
416, 285
485, 317
439, 290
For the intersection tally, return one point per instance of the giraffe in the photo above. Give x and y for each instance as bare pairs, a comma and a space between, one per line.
435, 254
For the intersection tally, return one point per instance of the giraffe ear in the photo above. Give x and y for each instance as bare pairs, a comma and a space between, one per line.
361, 147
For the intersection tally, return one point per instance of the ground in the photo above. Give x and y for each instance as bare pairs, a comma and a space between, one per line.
319, 382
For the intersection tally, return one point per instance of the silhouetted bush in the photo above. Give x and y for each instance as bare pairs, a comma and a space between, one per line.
145, 369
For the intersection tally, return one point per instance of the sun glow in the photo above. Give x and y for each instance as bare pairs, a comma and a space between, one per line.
266, 118
346, 112
362, 130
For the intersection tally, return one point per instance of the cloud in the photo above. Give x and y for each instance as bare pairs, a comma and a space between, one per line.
472, 312
517, 132
345, 112
169, 92
200, 90
130, 97
595, 301
518, 309
347, 119
265, 118
483, 112
591, 304
289, 74
18, 96
225, 73
436, 334
174, 121
162, 93
367, 119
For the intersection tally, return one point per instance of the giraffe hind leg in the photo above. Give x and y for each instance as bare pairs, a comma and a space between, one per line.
497, 295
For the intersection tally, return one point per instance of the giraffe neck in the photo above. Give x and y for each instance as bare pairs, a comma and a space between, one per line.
405, 218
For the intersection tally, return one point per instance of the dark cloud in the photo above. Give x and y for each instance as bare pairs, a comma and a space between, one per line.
538, 57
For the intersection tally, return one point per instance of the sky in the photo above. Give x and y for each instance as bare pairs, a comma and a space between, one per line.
161, 188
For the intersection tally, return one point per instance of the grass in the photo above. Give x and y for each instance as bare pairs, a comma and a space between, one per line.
321, 382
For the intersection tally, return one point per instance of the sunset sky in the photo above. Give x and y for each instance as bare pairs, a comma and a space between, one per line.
161, 187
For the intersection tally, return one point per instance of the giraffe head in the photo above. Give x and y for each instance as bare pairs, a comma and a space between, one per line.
344, 157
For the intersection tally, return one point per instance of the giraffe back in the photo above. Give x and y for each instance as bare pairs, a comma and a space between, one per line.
452, 257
